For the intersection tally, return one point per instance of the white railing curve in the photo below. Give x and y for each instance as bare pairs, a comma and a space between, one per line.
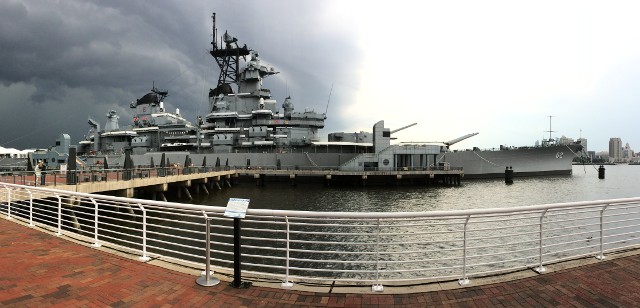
349, 248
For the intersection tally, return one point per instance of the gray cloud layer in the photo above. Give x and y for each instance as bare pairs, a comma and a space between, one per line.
62, 61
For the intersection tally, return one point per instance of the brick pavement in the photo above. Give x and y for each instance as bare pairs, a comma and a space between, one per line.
41, 270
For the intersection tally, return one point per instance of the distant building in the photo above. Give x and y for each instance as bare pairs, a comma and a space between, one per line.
615, 150
602, 155
627, 153
13, 153
583, 142
565, 140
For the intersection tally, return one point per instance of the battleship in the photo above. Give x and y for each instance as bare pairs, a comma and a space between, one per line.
246, 128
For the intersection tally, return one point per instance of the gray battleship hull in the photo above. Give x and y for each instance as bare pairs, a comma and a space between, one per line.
525, 161
243, 160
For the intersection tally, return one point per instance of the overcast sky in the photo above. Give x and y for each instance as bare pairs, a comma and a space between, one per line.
499, 68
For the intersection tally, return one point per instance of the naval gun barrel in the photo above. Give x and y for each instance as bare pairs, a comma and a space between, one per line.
94, 124
401, 128
454, 141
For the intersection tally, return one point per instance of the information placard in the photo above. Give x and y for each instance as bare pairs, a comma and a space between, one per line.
236, 208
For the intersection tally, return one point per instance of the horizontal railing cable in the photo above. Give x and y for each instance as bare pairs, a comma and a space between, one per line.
345, 247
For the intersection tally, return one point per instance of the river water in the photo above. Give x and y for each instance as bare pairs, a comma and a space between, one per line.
583, 185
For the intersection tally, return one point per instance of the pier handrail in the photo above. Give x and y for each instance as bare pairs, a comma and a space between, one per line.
93, 174
373, 248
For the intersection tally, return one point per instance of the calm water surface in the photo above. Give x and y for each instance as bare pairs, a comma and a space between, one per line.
621, 182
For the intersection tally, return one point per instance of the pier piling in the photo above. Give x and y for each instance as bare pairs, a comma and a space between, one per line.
508, 175
601, 172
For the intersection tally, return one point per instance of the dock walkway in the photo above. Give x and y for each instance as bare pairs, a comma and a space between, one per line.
38, 269
159, 179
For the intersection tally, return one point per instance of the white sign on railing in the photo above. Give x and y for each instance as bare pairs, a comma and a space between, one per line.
236, 208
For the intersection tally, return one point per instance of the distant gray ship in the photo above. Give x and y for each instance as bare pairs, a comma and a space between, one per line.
245, 128
550, 159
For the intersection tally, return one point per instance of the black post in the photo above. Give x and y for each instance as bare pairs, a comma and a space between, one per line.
601, 172
187, 165
163, 166
128, 166
508, 175
237, 275
72, 166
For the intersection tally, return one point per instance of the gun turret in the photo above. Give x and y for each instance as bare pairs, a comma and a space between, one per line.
94, 124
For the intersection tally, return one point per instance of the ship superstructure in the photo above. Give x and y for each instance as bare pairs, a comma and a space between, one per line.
158, 129
249, 119
152, 129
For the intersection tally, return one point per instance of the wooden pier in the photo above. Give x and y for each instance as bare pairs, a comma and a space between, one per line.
183, 181
123, 183
427, 177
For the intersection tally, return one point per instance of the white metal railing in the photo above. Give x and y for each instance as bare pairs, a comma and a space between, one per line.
344, 247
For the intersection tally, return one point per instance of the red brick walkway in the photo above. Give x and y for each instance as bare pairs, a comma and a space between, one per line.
41, 270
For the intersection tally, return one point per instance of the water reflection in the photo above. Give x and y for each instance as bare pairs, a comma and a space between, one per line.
472, 194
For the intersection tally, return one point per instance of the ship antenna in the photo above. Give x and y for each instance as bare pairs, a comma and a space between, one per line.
214, 31
550, 131
328, 100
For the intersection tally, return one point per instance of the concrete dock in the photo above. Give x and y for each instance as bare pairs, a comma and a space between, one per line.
122, 182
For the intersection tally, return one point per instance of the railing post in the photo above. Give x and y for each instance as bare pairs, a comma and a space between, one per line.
206, 278
464, 280
8, 201
287, 283
377, 287
30, 208
59, 215
95, 223
144, 257
601, 255
540, 269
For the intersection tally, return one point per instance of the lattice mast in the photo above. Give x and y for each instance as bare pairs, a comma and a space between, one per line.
227, 55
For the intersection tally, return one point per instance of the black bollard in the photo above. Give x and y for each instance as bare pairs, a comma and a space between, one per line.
508, 175
72, 167
601, 172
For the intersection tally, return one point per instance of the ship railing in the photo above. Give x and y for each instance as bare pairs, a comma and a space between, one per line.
334, 168
339, 248
400, 169
98, 174
58, 177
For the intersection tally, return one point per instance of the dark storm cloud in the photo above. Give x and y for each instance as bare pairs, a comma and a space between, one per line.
81, 58
62, 61
80, 44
